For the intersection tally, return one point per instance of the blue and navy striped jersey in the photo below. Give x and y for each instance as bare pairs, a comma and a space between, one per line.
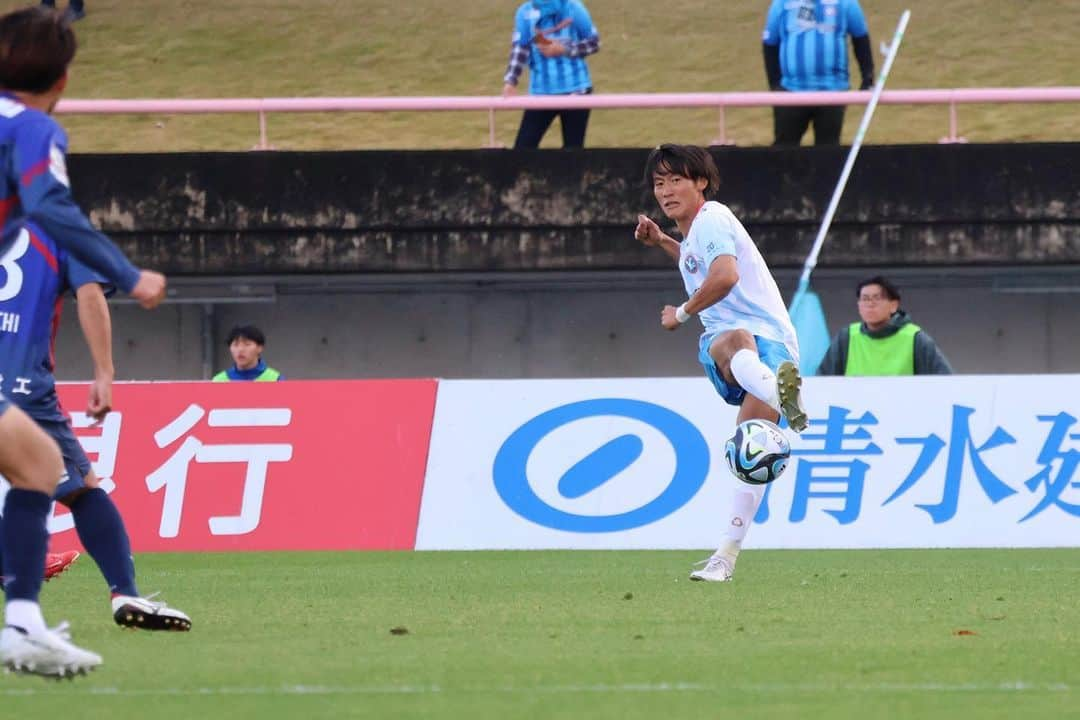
35, 274
812, 36
35, 188
568, 22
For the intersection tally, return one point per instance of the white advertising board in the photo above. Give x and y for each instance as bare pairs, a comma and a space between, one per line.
960, 461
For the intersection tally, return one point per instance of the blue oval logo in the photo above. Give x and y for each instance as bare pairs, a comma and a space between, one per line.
601, 465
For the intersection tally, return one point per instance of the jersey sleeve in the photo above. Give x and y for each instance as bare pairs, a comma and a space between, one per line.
40, 163
76, 275
715, 235
522, 28
582, 21
771, 34
856, 21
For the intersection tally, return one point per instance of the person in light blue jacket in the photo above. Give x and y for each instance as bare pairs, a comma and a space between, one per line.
805, 50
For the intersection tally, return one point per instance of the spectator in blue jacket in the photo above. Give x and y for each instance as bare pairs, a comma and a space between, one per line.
805, 50
553, 37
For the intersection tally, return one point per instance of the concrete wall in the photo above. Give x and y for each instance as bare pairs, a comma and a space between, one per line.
464, 264
551, 210
1007, 320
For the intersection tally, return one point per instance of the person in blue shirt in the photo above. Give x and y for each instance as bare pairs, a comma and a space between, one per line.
246, 343
805, 49
36, 47
29, 319
553, 37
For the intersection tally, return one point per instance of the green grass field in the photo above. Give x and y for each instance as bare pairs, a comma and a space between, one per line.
260, 48
854, 634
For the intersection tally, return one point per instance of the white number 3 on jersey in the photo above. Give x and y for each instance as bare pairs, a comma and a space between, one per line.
9, 262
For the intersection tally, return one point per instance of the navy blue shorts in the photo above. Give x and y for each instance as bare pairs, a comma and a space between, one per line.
76, 463
4, 404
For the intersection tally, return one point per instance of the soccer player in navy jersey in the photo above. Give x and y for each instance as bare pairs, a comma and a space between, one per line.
36, 47
29, 317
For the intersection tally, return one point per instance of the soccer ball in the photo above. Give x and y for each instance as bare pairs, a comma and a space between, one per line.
758, 452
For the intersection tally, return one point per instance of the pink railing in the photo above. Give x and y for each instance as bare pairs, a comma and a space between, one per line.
493, 104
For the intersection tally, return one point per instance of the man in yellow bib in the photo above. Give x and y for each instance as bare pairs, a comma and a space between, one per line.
886, 342
245, 343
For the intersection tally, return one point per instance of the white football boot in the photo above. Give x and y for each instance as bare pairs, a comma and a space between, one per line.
717, 568
789, 390
49, 653
147, 614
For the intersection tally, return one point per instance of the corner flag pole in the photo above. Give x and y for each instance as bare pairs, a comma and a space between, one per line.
811, 259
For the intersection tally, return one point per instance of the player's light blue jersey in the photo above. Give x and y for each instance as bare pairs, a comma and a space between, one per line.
754, 304
35, 188
34, 276
812, 36
566, 21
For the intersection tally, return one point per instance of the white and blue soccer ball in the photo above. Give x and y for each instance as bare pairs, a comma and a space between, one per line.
758, 452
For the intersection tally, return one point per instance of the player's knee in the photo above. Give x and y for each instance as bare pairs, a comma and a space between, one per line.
31, 460
742, 340
730, 343
69, 499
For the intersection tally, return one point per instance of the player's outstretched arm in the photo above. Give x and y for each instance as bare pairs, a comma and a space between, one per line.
45, 195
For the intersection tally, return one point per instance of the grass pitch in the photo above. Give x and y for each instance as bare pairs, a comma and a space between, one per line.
852, 634
266, 48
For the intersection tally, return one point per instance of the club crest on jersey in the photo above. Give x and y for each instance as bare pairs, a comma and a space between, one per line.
692, 263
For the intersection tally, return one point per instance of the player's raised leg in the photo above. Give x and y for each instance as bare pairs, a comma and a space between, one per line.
739, 360
31, 462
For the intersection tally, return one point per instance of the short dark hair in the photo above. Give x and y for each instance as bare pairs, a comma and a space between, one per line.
891, 291
36, 47
246, 332
690, 161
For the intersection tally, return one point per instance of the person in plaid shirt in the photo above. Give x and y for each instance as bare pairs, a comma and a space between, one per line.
553, 37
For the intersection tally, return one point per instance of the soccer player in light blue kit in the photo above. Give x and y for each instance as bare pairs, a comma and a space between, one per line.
805, 49
29, 318
553, 37
36, 47
748, 349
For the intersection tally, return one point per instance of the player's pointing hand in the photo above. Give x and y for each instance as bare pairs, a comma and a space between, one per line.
647, 231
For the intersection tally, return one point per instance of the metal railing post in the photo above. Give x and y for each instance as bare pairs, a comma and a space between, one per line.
264, 143
723, 138
954, 126
491, 128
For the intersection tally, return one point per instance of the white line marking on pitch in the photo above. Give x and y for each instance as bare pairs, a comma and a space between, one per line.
301, 690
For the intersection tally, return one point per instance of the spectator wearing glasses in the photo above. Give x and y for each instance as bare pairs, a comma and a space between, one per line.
886, 341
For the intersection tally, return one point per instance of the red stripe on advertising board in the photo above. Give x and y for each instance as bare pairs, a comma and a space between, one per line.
295, 465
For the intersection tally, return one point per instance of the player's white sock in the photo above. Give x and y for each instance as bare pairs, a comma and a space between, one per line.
755, 377
744, 505
25, 614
